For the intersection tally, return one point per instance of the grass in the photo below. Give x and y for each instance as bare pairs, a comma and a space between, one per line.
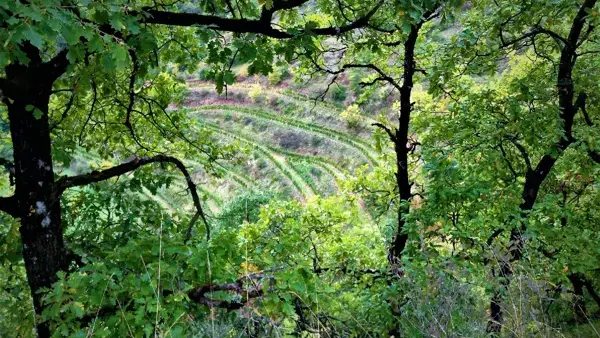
335, 135
319, 107
591, 329
277, 159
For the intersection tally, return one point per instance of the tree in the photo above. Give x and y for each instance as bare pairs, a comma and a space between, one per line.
558, 48
386, 40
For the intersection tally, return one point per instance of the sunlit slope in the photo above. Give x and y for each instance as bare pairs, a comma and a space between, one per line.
288, 143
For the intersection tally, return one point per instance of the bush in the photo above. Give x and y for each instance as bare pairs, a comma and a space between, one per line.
256, 94
244, 207
440, 306
278, 74
339, 93
243, 72
204, 74
355, 80
351, 116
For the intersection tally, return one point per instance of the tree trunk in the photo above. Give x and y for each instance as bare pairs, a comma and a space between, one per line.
401, 149
591, 290
401, 145
579, 308
37, 204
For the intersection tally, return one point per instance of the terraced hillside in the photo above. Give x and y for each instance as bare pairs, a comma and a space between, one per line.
290, 145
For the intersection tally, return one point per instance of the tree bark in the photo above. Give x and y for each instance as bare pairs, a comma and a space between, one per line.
26, 94
591, 290
579, 308
401, 145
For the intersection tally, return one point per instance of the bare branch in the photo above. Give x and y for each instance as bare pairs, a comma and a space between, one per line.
230, 7
132, 77
580, 104
382, 75
370, 83
94, 100
586, 35
66, 110
508, 163
57, 65
537, 30
198, 294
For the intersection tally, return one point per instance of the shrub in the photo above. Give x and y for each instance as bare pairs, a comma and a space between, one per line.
351, 116
440, 306
339, 93
355, 80
278, 74
256, 94
244, 207
243, 72
315, 141
204, 74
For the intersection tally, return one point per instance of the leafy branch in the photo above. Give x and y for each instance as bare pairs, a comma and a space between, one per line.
97, 176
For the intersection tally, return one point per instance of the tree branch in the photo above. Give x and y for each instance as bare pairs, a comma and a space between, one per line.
97, 176
230, 7
382, 75
57, 65
198, 294
537, 30
387, 130
580, 104
595, 156
66, 110
134, 70
522, 150
9, 205
508, 163
261, 26
378, 70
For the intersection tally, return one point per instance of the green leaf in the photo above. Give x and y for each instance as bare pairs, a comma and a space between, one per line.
77, 309
71, 34
115, 22
406, 27
33, 36
37, 113
229, 77
119, 54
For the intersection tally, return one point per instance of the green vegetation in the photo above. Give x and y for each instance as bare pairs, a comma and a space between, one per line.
358, 144
297, 168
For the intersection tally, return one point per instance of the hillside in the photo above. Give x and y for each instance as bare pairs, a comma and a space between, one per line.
288, 144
